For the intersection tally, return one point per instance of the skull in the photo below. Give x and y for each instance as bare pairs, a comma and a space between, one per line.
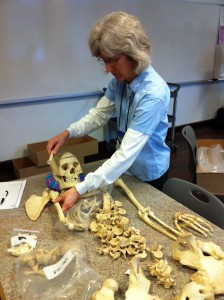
66, 170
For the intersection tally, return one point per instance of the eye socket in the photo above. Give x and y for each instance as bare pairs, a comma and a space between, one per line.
64, 167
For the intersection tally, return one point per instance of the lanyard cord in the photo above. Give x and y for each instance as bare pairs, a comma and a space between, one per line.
121, 104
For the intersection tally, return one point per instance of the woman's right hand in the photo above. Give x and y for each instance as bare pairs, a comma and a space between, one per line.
55, 143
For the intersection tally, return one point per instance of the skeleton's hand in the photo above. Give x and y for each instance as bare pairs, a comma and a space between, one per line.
55, 143
68, 198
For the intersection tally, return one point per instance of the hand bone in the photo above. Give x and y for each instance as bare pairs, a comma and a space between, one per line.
196, 223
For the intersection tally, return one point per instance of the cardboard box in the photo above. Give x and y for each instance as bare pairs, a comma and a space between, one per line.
80, 147
24, 167
213, 182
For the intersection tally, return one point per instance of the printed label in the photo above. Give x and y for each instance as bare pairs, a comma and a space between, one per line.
19, 239
56, 269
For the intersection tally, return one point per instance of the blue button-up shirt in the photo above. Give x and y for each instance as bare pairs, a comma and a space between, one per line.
143, 106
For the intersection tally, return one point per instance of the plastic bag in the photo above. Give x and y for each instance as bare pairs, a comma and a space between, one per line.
83, 212
59, 273
210, 160
23, 241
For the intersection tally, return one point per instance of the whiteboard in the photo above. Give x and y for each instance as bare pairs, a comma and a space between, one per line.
44, 50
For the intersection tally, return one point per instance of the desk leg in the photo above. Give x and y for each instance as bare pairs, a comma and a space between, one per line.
2, 295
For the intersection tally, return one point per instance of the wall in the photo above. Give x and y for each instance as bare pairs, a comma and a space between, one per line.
26, 123
44, 49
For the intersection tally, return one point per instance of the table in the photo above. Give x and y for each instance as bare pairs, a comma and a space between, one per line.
163, 206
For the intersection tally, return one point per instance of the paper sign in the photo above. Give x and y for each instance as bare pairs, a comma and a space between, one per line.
11, 193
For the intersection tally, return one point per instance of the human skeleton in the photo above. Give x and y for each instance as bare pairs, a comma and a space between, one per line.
66, 171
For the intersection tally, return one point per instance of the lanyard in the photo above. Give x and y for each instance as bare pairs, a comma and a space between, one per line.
121, 105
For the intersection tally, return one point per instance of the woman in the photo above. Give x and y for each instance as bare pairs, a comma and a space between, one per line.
140, 98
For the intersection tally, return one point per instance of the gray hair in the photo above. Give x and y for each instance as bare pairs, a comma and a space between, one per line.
121, 33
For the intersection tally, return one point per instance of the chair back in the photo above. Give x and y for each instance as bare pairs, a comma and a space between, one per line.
196, 198
189, 135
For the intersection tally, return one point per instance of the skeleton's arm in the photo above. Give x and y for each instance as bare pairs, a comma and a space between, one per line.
53, 195
145, 213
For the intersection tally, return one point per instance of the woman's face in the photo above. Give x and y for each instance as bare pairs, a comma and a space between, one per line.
121, 67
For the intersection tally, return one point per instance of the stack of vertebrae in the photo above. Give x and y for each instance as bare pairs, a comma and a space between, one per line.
119, 238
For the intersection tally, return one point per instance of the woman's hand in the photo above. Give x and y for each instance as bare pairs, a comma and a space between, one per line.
55, 143
68, 198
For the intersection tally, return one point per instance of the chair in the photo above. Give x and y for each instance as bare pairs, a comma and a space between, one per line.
174, 89
189, 135
196, 198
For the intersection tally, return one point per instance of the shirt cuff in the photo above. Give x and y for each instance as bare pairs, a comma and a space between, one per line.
81, 188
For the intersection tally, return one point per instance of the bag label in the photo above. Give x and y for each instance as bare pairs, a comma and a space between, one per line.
56, 269
19, 239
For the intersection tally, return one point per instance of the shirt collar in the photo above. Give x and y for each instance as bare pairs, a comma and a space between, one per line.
139, 79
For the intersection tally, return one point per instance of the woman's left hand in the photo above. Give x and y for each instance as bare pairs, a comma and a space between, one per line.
68, 199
